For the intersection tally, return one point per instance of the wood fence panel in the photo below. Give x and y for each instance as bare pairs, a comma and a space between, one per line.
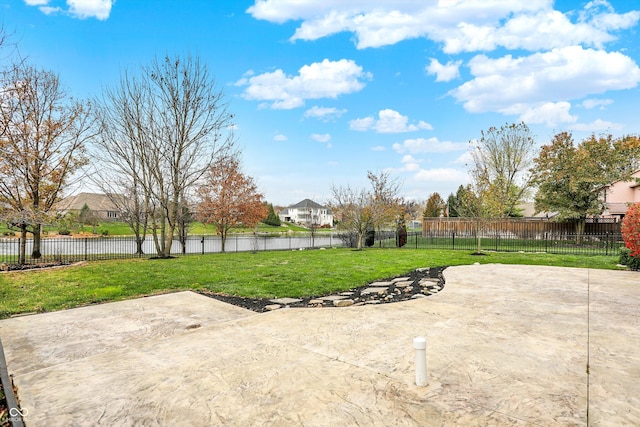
514, 228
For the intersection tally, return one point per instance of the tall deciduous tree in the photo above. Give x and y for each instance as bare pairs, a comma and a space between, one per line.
161, 131
386, 205
361, 210
228, 198
43, 132
435, 206
571, 178
502, 159
354, 209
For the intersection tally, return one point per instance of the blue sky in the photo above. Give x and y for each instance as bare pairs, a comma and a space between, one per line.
325, 90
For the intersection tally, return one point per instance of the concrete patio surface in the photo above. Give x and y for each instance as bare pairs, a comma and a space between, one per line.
506, 345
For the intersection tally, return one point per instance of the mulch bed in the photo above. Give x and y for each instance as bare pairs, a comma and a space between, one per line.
20, 267
395, 294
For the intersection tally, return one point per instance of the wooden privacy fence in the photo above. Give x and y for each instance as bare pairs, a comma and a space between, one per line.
522, 228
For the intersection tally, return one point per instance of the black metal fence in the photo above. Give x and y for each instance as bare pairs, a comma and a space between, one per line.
554, 243
70, 249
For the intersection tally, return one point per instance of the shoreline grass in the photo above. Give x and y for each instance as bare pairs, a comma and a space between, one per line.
258, 275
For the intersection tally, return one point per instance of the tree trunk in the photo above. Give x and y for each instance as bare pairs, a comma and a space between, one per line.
580, 225
360, 235
22, 256
35, 253
223, 239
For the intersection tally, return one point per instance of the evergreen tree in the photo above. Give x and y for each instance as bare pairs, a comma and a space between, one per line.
452, 204
272, 218
435, 206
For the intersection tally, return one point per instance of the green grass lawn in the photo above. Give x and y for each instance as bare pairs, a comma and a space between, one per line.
262, 274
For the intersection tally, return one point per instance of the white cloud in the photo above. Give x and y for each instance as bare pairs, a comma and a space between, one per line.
550, 113
593, 103
389, 121
99, 9
430, 145
560, 74
280, 137
597, 126
326, 79
362, 124
444, 73
442, 175
321, 137
464, 159
323, 113
47, 10
458, 25
379, 148
410, 163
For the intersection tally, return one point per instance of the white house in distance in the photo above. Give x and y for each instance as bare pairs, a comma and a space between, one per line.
307, 212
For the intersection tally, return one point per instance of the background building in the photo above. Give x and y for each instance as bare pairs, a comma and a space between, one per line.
308, 213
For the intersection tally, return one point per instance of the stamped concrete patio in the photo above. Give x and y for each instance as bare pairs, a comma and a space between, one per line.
507, 345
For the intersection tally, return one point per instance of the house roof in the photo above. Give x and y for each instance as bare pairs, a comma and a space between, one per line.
633, 182
95, 201
617, 208
306, 203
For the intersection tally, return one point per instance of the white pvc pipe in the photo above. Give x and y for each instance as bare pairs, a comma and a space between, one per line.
420, 345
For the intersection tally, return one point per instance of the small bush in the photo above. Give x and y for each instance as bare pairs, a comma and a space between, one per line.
631, 230
9, 233
349, 239
630, 261
105, 232
370, 238
64, 232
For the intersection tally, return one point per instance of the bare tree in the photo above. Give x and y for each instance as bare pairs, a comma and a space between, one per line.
386, 203
176, 125
42, 144
501, 162
353, 207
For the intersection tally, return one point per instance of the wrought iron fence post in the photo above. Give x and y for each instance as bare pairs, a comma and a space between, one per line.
202, 242
86, 243
453, 240
546, 242
606, 243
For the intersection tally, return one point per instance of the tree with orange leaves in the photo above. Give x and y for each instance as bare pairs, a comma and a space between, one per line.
43, 133
228, 198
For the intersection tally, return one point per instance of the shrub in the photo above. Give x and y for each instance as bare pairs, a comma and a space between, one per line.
369, 238
349, 239
628, 260
631, 233
64, 232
